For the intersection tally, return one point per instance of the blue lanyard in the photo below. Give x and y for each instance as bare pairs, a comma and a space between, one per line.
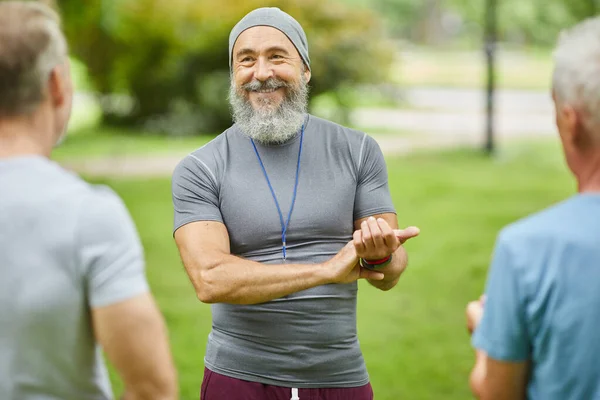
284, 226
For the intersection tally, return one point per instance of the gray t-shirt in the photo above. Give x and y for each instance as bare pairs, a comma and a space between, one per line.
65, 247
309, 338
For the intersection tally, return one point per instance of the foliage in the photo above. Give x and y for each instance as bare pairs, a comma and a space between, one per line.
531, 22
172, 57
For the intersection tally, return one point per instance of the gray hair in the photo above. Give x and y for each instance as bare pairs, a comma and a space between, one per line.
31, 46
576, 79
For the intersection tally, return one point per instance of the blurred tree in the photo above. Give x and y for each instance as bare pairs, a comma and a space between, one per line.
581, 9
171, 57
533, 22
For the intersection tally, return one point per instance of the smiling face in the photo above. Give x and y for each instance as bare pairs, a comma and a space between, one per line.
265, 64
269, 85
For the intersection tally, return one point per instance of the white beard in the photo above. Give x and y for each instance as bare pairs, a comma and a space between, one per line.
270, 124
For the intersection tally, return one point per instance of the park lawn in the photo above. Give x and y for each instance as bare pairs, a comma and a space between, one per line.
103, 142
413, 337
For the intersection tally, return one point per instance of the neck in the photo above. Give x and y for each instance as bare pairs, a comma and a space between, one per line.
589, 178
23, 136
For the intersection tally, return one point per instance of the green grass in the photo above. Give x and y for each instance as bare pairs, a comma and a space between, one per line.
413, 337
101, 142
105, 142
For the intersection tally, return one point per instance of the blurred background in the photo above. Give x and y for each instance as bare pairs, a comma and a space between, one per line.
152, 79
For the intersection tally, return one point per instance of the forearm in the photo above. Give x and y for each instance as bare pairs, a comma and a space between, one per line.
135, 339
393, 271
234, 280
155, 376
149, 390
477, 376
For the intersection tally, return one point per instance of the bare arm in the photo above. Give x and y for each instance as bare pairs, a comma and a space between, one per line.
477, 375
220, 277
499, 380
134, 338
491, 379
384, 240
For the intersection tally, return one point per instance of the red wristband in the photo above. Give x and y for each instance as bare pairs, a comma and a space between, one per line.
374, 264
379, 262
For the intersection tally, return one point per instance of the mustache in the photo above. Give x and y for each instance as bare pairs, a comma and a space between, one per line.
269, 84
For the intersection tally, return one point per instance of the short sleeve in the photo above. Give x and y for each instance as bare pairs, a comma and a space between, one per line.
110, 251
195, 193
372, 191
502, 333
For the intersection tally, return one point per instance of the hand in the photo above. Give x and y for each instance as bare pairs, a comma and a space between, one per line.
474, 314
345, 268
376, 239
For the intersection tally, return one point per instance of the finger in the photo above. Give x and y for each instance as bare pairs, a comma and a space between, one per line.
474, 312
367, 237
472, 307
391, 241
357, 239
404, 234
376, 233
370, 274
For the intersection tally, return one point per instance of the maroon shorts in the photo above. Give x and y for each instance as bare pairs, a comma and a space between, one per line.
220, 387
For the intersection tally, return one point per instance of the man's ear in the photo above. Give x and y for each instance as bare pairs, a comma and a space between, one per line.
57, 87
570, 122
574, 131
307, 74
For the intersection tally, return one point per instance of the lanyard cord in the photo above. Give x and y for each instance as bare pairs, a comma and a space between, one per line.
284, 226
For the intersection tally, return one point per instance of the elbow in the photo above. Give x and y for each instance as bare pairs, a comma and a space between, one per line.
164, 388
206, 289
476, 383
168, 391
206, 296
386, 286
391, 285
171, 389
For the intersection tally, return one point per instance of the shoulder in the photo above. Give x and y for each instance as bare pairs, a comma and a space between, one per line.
65, 178
91, 197
538, 232
78, 193
340, 138
334, 130
544, 223
103, 217
103, 206
211, 158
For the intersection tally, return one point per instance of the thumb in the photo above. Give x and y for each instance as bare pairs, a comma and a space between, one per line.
404, 234
370, 274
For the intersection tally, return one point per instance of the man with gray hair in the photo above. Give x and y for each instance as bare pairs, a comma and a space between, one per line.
276, 220
536, 328
71, 262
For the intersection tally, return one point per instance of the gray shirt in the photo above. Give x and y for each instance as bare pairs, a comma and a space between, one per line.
309, 338
65, 247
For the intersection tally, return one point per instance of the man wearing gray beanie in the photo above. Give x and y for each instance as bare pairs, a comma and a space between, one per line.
276, 219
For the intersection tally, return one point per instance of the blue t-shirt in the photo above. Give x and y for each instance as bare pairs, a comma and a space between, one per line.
543, 300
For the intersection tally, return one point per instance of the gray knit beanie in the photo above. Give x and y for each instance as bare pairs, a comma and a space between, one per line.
273, 17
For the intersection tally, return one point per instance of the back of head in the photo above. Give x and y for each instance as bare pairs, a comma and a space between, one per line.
576, 80
31, 45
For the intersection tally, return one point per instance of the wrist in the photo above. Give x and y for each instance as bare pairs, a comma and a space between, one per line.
326, 273
372, 264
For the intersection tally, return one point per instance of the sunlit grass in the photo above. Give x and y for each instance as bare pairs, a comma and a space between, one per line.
106, 142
